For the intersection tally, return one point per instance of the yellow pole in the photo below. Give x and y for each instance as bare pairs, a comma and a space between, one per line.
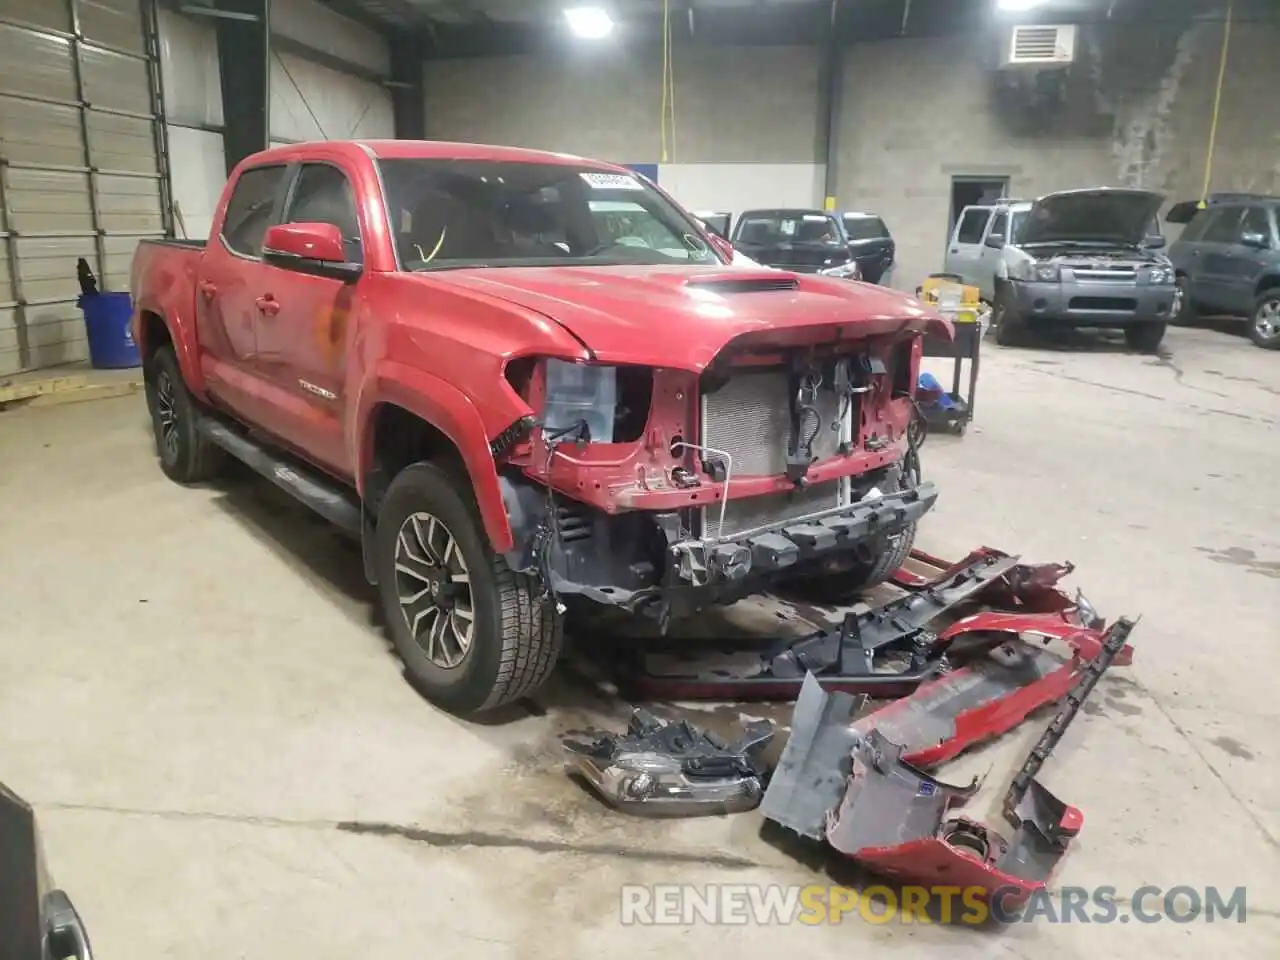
1217, 105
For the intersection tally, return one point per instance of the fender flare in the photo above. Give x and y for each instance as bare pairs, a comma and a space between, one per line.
1268, 281
181, 335
449, 410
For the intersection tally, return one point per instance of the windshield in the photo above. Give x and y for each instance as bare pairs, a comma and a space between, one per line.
865, 228
462, 213
1019, 221
767, 228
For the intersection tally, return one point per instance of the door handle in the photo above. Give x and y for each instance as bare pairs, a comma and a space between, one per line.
955, 249
268, 305
207, 289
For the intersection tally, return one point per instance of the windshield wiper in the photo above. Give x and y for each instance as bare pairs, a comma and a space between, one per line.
438, 267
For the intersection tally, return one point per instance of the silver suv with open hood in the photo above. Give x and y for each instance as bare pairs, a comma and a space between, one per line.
1081, 258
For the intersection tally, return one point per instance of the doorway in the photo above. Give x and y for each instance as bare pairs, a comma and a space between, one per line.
968, 191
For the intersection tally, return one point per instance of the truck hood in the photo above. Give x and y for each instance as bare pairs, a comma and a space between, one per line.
1092, 216
681, 318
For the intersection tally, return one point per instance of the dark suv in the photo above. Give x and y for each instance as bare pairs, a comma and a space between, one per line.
1228, 261
855, 246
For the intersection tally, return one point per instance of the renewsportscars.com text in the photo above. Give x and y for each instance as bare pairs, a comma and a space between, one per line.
770, 905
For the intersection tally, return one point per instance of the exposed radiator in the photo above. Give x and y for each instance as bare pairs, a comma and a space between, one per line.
749, 418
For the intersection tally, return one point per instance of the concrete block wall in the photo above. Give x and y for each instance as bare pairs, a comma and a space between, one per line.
746, 119
733, 105
1135, 110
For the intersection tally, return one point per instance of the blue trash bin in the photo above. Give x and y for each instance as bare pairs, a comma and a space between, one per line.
106, 324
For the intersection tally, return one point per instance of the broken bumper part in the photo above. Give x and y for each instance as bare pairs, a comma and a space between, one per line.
845, 659
673, 769
900, 822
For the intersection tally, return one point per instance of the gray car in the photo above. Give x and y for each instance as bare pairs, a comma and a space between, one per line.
1228, 262
1080, 258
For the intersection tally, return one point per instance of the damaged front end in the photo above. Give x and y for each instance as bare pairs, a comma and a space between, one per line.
668, 490
860, 784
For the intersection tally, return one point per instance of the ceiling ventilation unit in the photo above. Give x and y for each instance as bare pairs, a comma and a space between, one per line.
1040, 45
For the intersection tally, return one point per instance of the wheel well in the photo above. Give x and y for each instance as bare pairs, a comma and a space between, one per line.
1267, 283
155, 335
400, 438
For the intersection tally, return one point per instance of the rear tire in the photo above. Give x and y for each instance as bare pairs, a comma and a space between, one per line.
186, 455
1264, 325
482, 637
1144, 337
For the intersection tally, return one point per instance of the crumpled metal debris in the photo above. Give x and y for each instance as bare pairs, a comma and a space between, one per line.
850, 784
660, 768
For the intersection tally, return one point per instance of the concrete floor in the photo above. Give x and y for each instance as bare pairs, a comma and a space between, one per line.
193, 697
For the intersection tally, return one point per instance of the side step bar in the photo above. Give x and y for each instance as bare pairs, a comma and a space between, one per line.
322, 495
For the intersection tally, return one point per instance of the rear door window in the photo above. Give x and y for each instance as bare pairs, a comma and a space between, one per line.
972, 225
865, 228
1256, 220
250, 209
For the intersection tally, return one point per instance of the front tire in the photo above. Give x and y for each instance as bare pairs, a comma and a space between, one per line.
1188, 314
1264, 325
1144, 337
186, 455
473, 634
1011, 326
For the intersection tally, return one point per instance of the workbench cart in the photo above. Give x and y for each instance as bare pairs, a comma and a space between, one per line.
960, 304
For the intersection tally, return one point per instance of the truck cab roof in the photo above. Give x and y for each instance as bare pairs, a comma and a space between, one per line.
432, 150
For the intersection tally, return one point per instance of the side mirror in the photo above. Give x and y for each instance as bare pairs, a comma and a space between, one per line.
1257, 241
311, 248
721, 245
994, 241
37, 919
1155, 242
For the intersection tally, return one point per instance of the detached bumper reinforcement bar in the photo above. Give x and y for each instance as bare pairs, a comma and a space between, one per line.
844, 659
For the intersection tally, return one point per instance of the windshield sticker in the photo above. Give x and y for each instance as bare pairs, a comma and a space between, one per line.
611, 181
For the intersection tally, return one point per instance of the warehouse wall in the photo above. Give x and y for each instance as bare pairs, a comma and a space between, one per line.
309, 101
746, 118
193, 119
915, 113
1136, 113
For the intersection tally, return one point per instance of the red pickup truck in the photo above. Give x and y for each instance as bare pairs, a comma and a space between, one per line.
531, 384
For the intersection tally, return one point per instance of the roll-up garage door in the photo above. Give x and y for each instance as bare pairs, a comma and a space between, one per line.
80, 167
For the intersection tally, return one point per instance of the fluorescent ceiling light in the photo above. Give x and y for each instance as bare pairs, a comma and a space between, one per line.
590, 23
1018, 5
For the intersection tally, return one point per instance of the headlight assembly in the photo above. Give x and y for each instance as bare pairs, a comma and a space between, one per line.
1160, 275
1032, 272
844, 271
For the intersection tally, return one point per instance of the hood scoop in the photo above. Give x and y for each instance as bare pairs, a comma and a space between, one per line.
747, 284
